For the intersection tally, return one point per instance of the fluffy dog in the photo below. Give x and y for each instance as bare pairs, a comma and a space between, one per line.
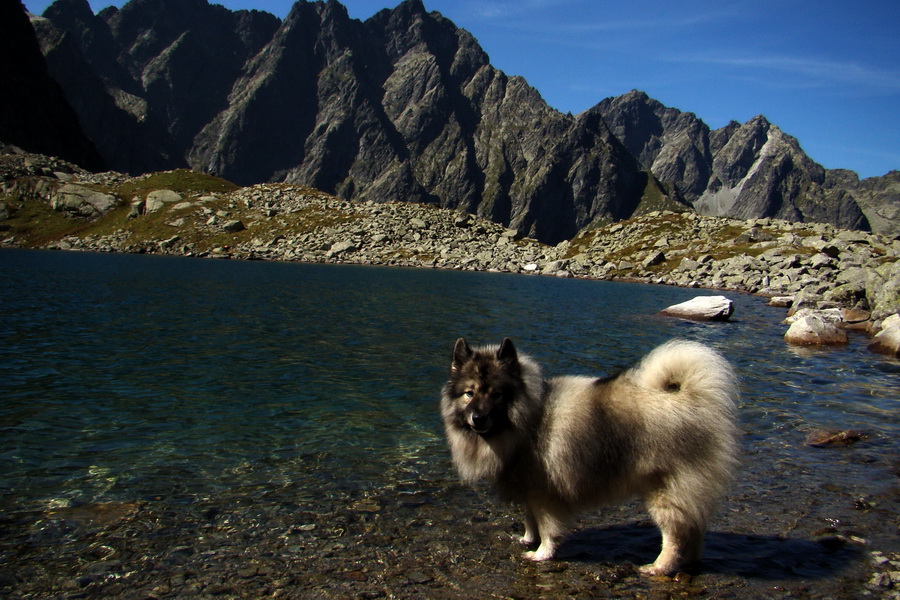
664, 430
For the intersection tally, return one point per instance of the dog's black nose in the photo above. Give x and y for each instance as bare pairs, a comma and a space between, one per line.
480, 423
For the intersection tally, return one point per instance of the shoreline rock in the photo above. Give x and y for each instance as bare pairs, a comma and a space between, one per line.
887, 341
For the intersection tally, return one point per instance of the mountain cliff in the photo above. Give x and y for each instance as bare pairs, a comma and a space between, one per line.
34, 113
405, 105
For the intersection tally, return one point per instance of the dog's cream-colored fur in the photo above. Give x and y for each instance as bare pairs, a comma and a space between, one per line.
663, 430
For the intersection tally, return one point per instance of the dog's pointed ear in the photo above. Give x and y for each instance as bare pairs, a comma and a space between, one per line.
507, 352
461, 354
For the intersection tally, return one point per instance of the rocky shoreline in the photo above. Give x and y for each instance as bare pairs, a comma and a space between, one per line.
854, 276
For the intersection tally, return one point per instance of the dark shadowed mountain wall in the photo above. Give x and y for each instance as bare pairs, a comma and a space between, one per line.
34, 114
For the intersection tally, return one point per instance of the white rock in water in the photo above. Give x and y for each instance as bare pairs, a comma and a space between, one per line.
702, 308
832, 316
813, 330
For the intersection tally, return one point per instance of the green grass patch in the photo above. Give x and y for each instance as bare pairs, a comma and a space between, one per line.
34, 223
184, 181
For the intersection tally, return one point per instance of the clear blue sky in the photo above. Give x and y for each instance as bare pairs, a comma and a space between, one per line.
826, 72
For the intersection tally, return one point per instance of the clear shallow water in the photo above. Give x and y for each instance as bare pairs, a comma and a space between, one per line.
127, 376
181, 381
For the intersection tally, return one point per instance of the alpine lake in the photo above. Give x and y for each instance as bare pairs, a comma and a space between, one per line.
188, 428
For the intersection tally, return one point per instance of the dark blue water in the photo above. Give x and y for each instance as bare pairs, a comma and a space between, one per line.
132, 377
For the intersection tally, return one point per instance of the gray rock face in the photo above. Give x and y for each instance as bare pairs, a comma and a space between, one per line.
406, 106
747, 171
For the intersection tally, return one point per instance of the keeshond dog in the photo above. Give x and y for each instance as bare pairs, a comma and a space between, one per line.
664, 430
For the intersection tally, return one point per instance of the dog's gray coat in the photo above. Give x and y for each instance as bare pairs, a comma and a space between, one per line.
664, 430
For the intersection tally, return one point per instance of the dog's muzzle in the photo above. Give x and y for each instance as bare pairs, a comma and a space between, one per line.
479, 423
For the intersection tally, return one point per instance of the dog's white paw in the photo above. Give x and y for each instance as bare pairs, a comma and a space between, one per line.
526, 540
655, 571
539, 555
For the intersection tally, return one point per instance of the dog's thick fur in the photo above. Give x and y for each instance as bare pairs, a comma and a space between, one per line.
664, 430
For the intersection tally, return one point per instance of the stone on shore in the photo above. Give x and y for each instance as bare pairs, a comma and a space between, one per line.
781, 301
702, 308
888, 339
814, 330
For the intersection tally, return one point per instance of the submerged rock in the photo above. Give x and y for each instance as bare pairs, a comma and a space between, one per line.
702, 308
825, 439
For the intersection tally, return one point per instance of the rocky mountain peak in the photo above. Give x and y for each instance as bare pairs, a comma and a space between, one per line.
741, 170
405, 106
71, 11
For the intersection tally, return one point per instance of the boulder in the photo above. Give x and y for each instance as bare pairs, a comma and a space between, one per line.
855, 319
883, 290
159, 198
808, 296
888, 339
813, 330
655, 258
81, 201
781, 301
341, 247
832, 316
233, 226
702, 308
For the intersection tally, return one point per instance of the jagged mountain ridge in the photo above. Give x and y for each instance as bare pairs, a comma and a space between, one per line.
402, 106
742, 171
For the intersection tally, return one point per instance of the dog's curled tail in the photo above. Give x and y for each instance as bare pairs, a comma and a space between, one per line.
691, 368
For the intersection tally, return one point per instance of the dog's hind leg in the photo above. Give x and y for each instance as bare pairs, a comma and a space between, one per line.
682, 535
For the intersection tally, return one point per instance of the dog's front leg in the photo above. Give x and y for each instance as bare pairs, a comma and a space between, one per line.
531, 528
550, 530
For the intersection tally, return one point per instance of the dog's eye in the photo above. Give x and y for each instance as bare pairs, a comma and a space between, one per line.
496, 395
469, 394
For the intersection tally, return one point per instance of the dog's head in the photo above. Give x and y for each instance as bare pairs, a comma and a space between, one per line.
483, 384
